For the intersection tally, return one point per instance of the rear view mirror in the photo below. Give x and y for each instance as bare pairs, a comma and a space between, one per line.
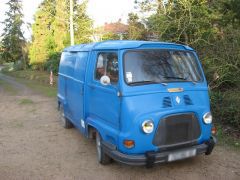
105, 80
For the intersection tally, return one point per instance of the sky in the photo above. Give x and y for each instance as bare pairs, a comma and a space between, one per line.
100, 11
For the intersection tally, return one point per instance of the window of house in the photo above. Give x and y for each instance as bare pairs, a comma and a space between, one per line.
107, 64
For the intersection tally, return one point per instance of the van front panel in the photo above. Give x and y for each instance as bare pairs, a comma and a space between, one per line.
174, 100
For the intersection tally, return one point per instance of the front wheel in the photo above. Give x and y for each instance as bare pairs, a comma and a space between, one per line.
103, 158
63, 120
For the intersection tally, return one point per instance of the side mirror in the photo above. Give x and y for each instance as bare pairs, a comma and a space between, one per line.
105, 80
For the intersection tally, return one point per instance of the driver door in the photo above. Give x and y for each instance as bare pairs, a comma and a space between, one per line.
103, 99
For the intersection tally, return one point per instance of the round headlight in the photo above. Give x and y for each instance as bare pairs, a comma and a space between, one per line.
207, 118
148, 126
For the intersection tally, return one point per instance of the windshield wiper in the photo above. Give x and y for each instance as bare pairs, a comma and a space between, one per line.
174, 77
147, 82
194, 82
182, 78
143, 82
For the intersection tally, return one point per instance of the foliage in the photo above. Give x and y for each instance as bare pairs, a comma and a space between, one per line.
136, 30
225, 107
228, 137
82, 24
13, 42
43, 43
60, 25
110, 36
51, 31
230, 11
182, 21
53, 63
222, 61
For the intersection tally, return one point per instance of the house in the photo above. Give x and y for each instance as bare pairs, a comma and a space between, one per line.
113, 30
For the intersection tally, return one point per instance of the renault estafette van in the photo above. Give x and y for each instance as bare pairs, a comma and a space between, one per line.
143, 102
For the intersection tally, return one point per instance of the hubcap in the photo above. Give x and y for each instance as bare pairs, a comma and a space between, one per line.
62, 116
98, 144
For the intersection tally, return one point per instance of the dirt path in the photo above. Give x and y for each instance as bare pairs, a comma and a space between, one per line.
21, 89
34, 146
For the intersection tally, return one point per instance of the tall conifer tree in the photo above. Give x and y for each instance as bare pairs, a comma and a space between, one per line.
13, 41
43, 42
51, 29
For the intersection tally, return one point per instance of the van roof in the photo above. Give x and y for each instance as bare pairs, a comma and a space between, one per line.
124, 44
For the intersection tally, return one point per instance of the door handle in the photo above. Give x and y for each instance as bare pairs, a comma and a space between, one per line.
82, 90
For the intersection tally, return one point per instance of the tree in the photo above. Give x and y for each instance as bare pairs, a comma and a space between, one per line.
60, 25
188, 22
230, 12
109, 36
136, 30
42, 39
13, 41
51, 29
83, 25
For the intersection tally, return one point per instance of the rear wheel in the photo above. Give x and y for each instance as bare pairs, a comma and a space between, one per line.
63, 120
103, 158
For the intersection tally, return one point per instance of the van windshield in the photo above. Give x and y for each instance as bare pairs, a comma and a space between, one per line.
157, 66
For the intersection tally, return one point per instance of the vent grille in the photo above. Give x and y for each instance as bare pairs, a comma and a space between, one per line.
167, 102
187, 100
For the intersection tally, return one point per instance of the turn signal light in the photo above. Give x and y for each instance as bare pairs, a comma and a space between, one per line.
129, 143
214, 130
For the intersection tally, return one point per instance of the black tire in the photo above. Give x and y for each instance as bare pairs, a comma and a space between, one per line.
63, 120
103, 158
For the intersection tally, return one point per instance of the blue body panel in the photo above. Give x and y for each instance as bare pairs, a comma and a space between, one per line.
119, 117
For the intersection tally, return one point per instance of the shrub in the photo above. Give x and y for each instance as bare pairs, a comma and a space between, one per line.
53, 63
225, 107
221, 61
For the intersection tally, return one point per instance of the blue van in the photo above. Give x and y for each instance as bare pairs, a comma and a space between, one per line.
143, 102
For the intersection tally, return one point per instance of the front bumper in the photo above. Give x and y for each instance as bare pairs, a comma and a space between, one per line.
150, 158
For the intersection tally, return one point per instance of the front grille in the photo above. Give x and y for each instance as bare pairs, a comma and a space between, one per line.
177, 130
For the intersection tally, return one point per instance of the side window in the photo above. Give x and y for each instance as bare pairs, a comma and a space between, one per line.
68, 62
107, 64
80, 66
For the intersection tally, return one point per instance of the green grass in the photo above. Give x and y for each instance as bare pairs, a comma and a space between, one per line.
25, 101
8, 67
226, 139
41, 77
36, 80
18, 125
8, 88
46, 90
32, 110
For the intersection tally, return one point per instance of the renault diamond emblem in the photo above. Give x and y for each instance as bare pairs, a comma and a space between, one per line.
178, 99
